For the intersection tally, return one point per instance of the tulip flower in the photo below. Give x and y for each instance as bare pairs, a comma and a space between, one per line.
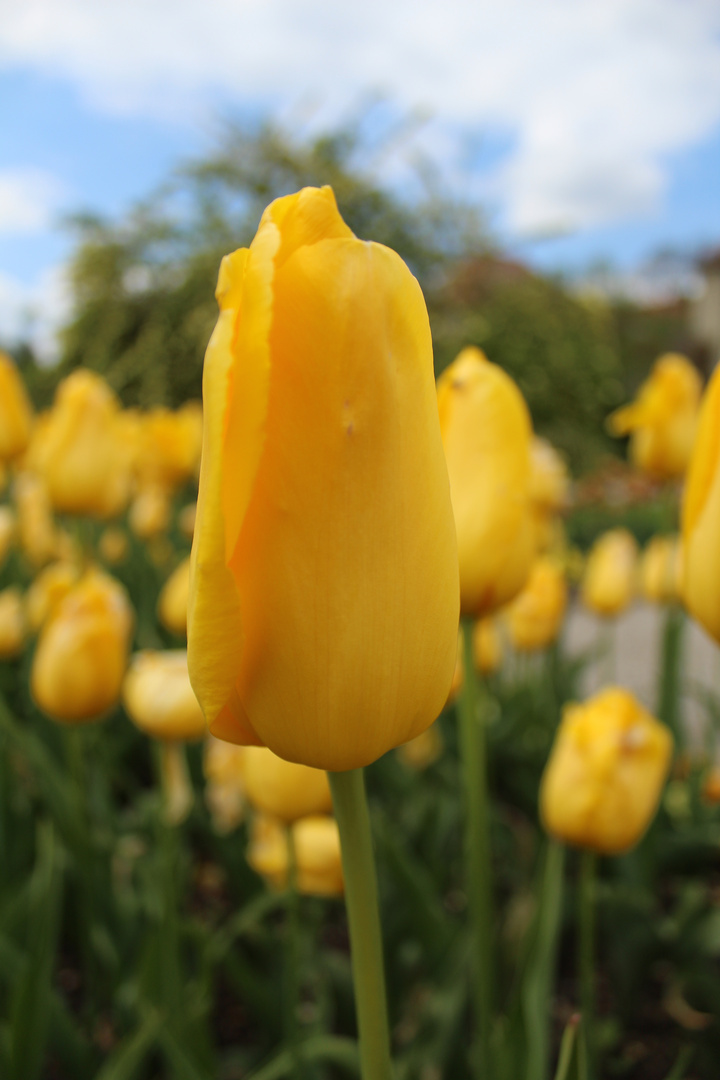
317, 854
169, 446
81, 450
82, 651
15, 411
711, 786
173, 600
660, 570
12, 623
113, 545
605, 774
186, 520
535, 616
150, 512
283, 789
609, 581
37, 532
159, 699
47, 590
549, 481
662, 420
324, 592
486, 434
701, 517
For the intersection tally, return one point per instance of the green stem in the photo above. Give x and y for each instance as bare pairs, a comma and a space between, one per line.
292, 959
477, 844
74, 739
586, 958
670, 676
351, 811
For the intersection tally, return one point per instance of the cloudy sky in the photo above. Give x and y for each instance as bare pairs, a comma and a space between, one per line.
588, 128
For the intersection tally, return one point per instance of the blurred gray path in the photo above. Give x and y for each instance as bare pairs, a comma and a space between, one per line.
636, 656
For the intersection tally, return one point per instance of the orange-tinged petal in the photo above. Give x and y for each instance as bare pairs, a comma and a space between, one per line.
346, 563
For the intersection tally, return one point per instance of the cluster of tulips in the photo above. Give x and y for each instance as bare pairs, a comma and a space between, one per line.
352, 519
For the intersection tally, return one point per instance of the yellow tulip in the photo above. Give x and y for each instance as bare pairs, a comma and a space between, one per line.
169, 446
159, 699
38, 535
549, 480
535, 615
317, 854
701, 517
423, 750
605, 773
149, 512
173, 599
711, 786
486, 433
324, 593
8, 529
81, 451
15, 411
12, 623
113, 545
487, 646
663, 418
186, 520
282, 788
223, 765
609, 581
660, 569
47, 590
82, 651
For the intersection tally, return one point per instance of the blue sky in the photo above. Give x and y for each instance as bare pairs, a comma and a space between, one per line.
589, 129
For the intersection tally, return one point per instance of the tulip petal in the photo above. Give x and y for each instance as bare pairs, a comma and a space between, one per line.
214, 619
346, 562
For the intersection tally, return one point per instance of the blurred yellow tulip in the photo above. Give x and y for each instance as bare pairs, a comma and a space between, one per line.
38, 534
82, 651
15, 411
173, 600
487, 646
159, 699
663, 418
486, 434
424, 750
8, 529
711, 786
186, 520
535, 616
169, 446
282, 788
549, 480
47, 590
12, 623
660, 570
324, 594
701, 517
317, 854
80, 449
610, 578
149, 512
604, 777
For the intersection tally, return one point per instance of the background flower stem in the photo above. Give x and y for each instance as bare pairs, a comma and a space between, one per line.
351, 811
586, 961
477, 845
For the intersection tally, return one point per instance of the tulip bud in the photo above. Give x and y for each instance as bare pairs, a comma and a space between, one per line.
487, 646
47, 590
38, 535
169, 446
604, 777
663, 418
150, 512
12, 623
283, 789
317, 854
82, 651
549, 481
81, 451
660, 568
711, 786
535, 616
186, 520
113, 545
173, 599
324, 596
609, 581
159, 699
701, 517
15, 411
486, 434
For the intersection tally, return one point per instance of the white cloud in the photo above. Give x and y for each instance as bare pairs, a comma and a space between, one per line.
28, 198
595, 94
35, 312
